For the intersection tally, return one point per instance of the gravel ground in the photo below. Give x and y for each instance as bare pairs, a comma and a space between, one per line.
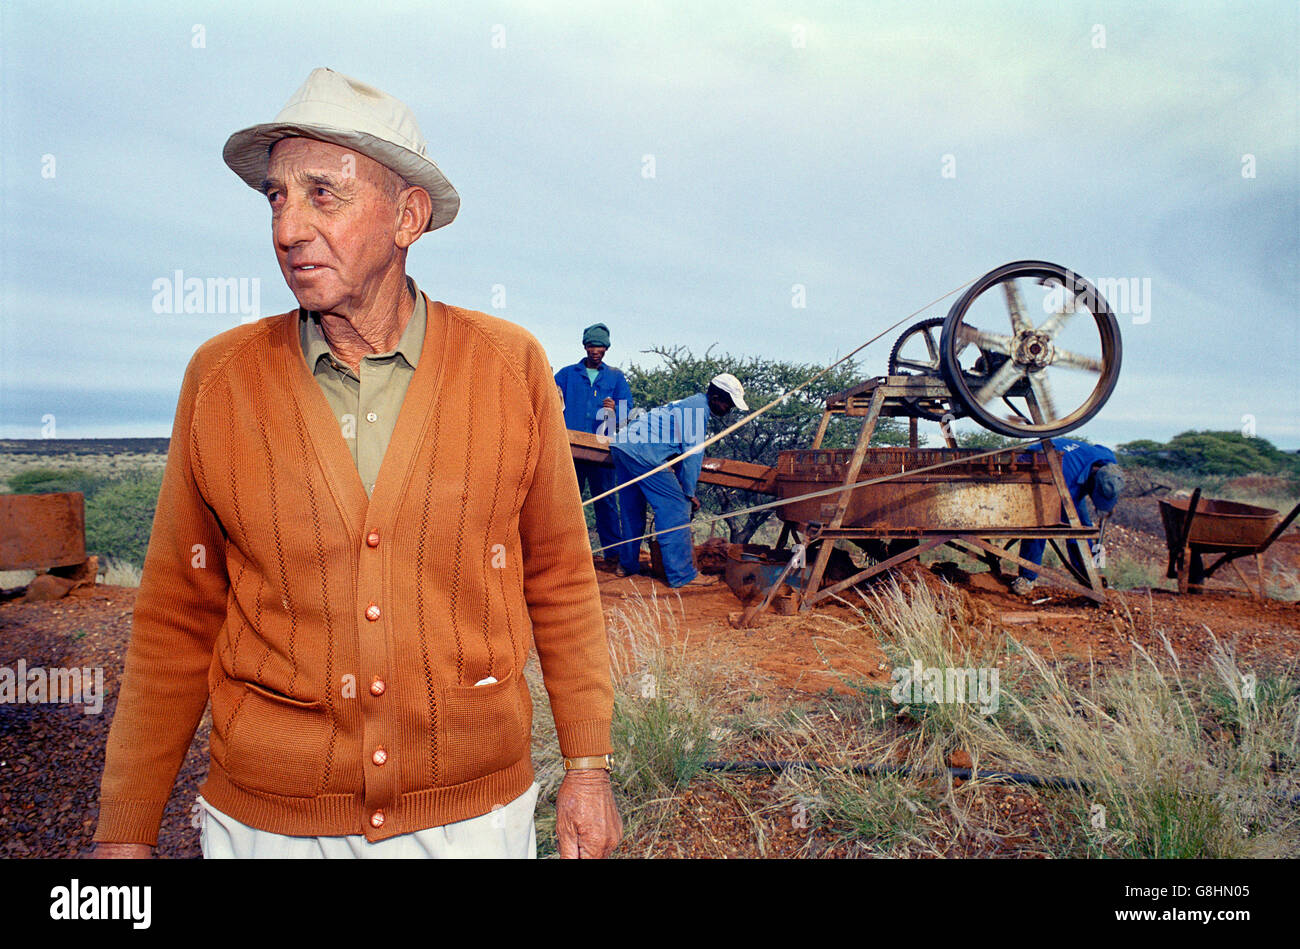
51, 755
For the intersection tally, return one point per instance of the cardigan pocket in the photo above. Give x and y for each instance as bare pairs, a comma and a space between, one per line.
480, 730
277, 744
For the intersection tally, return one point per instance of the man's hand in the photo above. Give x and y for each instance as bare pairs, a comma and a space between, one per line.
586, 819
695, 506
123, 852
608, 404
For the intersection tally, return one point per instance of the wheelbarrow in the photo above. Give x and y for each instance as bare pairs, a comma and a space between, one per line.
1196, 529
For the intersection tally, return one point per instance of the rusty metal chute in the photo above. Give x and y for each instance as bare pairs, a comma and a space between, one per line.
39, 531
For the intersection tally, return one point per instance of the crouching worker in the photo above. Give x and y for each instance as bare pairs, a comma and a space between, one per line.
1091, 471
661, 435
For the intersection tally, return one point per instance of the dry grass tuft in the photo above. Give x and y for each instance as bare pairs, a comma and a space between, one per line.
1175, 764
666, 704
120, 573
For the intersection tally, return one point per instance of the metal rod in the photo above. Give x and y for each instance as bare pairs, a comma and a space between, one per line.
876, 568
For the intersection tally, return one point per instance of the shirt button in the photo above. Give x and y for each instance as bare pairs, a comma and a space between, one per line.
372, 417
377, 687
380, 756
372, 612
377, 819
372, 539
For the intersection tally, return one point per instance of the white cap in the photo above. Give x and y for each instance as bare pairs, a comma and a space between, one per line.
731, 385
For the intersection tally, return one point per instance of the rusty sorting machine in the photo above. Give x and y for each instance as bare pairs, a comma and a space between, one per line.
1031, 350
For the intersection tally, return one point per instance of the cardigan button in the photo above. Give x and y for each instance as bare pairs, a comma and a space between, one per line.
372, 539
377, 819
380, 756
377, 687
372, 612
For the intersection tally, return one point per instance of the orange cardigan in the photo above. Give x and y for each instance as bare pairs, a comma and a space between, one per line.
340, 637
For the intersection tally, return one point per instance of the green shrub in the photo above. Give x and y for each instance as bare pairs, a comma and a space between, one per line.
1213, 453
119, 517
1125, 573
119, 509
56, 480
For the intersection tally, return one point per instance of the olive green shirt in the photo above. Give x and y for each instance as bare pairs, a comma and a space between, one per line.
365, 405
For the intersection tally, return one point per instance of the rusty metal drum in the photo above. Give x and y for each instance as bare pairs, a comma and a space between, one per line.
997, 492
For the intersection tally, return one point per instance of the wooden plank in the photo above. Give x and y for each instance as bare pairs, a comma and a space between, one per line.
1182, 553
1186, 532
1244, 582
725, 472
842, 505
730, 473
1007, 533
588, 447
874, 569
1062, 554
821, 429
975, 546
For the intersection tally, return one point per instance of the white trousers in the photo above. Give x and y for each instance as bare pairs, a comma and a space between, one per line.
506, 833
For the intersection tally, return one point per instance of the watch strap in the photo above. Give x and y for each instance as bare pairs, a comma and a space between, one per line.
590, 763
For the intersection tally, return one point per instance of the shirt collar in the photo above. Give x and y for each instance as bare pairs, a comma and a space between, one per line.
315, 345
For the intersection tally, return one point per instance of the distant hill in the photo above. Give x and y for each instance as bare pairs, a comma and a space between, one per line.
84, 446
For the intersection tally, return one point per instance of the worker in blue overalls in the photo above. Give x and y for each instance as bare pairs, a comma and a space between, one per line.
1091, 471
658, 436
596, 396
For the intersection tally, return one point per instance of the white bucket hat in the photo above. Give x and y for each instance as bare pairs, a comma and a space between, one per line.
731, 385
332, 107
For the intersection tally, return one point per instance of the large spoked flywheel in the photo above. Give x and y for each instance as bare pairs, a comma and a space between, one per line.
1031, 350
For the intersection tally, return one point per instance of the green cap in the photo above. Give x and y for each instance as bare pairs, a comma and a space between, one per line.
596, 335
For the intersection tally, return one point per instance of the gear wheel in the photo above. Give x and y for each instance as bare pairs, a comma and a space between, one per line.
922, 363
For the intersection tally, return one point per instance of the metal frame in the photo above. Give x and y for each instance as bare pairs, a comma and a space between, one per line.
887, 396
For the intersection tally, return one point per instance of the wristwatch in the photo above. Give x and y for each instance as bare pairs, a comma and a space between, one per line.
590, 763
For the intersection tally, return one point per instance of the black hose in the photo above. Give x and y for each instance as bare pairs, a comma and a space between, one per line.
961, 774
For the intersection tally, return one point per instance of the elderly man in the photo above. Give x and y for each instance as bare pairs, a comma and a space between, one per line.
368, 517
656, 438
595, 396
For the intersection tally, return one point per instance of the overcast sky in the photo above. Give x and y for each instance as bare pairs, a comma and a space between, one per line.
877, 154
